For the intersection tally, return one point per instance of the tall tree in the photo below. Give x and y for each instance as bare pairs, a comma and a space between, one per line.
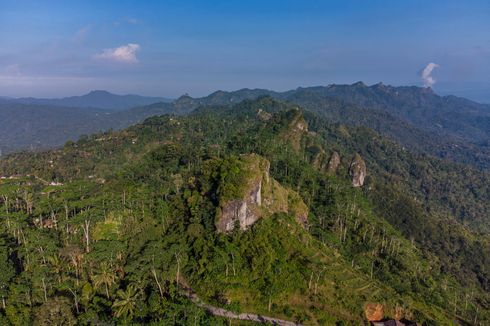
126, 301
105, 276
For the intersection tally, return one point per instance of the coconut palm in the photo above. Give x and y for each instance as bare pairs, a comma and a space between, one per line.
104, 277
57, 265
125, 303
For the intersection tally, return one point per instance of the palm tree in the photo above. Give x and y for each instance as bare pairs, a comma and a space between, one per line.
125, 304
105, 276
56, 263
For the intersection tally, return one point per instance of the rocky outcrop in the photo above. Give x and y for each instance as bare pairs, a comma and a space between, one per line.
297, 128
299, 124
374, 311
357, 170
264, 115
318, 158
258, 195
333, 163
237, 212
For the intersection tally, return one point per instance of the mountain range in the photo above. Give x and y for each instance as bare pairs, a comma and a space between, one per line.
94, 99
443, 126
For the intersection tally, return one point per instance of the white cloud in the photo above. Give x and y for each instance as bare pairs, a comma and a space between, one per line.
124, 54
426, 76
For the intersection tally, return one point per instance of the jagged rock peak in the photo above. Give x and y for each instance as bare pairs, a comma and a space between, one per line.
319, 158
297, 128
243, 210
333, 163
298, 122
264, 115
258, 196
357, 170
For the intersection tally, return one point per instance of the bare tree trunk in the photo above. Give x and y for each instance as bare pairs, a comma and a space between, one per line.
86, 231
41, 251
44, 289
6, 203
75, 264
233, 264
66, 211
158, 283
75, 297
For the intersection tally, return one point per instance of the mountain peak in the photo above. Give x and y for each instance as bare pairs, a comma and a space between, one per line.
99, 92
359, 84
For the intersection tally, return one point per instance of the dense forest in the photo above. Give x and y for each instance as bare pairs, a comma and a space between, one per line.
133, 226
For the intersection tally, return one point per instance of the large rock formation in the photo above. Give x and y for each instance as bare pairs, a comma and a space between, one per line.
258, 195
264, 115
357, 170
297, 128
319, 157
333, 163
374, 311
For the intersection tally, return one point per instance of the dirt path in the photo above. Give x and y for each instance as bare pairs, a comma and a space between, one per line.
216, 311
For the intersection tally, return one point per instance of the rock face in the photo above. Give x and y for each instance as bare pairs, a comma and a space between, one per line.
242, 212
357, 170
333, 163
319, 159
259, 196
374, 311
264, 115
236, 212
297, 128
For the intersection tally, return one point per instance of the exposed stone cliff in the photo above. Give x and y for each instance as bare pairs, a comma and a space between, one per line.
297, 128
259, 195
333, 163
357, 170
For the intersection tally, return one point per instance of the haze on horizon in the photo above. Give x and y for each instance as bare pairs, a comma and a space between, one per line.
167, 48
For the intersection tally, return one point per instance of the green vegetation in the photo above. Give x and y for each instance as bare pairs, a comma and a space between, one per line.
452, 128
132, 224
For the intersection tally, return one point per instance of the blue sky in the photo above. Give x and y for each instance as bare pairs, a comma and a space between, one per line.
167, 48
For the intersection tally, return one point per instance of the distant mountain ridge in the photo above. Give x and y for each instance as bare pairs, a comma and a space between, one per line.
445, 115
448, 127
95, 99
444, 126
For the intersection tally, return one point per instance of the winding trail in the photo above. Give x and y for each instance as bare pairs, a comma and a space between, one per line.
216, 311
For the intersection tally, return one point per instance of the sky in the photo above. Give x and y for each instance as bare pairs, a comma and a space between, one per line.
168, 48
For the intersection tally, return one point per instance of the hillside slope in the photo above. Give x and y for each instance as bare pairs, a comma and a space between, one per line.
134, 216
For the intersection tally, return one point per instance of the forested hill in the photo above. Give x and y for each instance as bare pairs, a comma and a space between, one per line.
94, 99
445, 115
447, 127
259, 207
